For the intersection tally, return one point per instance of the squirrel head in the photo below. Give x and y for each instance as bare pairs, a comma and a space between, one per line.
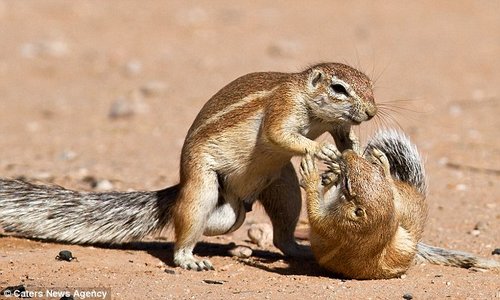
338, 92
365, 199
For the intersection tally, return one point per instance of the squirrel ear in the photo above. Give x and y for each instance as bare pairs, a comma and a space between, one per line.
316, 77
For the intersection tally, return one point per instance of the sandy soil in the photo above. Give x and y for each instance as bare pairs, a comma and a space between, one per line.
66, 66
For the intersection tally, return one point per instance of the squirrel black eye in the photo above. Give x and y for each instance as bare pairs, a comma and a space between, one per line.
339, 89
359, 212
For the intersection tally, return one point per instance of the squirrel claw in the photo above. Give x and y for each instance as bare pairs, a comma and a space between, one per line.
308, 170
328, 152
203, 265
380, 158
188, 262
333, 167
329, 177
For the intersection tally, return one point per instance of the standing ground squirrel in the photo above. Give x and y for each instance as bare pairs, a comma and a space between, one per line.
367, 212
237, 150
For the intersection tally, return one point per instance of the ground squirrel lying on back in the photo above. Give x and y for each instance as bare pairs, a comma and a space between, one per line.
367, 212
237, 150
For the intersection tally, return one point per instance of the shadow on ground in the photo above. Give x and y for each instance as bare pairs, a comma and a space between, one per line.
260, 259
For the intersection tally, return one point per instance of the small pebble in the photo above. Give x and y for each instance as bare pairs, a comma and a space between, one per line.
443, 161
480, 226
67, 298
461, 187
104, 185
54, 48
133, 67
408, 296
65, 255
455, 110
475, 232
241, 252
226, 267
496, 251
171, 272
121, 108
43, 176
153, 88
98, 184
210, 281
126, 106
67, 155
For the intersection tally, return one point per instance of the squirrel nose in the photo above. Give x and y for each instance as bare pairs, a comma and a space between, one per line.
371, 111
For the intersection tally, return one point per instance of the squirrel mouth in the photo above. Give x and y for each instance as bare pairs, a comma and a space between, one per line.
352, 120
344, 183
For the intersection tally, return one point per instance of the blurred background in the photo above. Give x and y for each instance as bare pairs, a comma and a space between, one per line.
111, 87
100, 94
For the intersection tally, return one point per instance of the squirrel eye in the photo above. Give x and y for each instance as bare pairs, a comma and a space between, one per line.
339, 89
359, 212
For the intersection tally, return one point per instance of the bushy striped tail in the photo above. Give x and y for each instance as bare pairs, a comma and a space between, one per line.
55, 213
453, 258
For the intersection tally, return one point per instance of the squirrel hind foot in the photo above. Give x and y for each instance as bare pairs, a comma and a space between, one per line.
188, 262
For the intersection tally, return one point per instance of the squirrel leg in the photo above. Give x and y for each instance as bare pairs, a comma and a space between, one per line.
343, 136
227, 217
282, 202
197, 198
380, 158
355, 142
312, 184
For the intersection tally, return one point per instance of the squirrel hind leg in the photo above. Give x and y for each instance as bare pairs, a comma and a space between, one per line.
197, 198
226, 217
282, 202
378, 157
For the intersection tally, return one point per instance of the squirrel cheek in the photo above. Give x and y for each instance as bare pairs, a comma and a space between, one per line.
321, 101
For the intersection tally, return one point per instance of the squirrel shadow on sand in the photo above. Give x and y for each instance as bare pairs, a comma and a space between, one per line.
261, 259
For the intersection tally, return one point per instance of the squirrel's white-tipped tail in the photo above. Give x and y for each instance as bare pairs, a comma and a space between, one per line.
55, 213
453, 258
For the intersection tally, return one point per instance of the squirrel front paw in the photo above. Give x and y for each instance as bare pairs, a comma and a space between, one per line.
331, 175
327, 152
330, 156
309, 172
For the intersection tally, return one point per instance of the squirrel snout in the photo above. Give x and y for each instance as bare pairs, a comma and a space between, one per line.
371, 111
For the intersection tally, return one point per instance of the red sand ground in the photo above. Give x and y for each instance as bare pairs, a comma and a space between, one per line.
64, 63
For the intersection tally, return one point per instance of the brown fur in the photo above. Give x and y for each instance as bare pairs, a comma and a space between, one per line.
381, 242
368, 219
236, 152
240, 144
